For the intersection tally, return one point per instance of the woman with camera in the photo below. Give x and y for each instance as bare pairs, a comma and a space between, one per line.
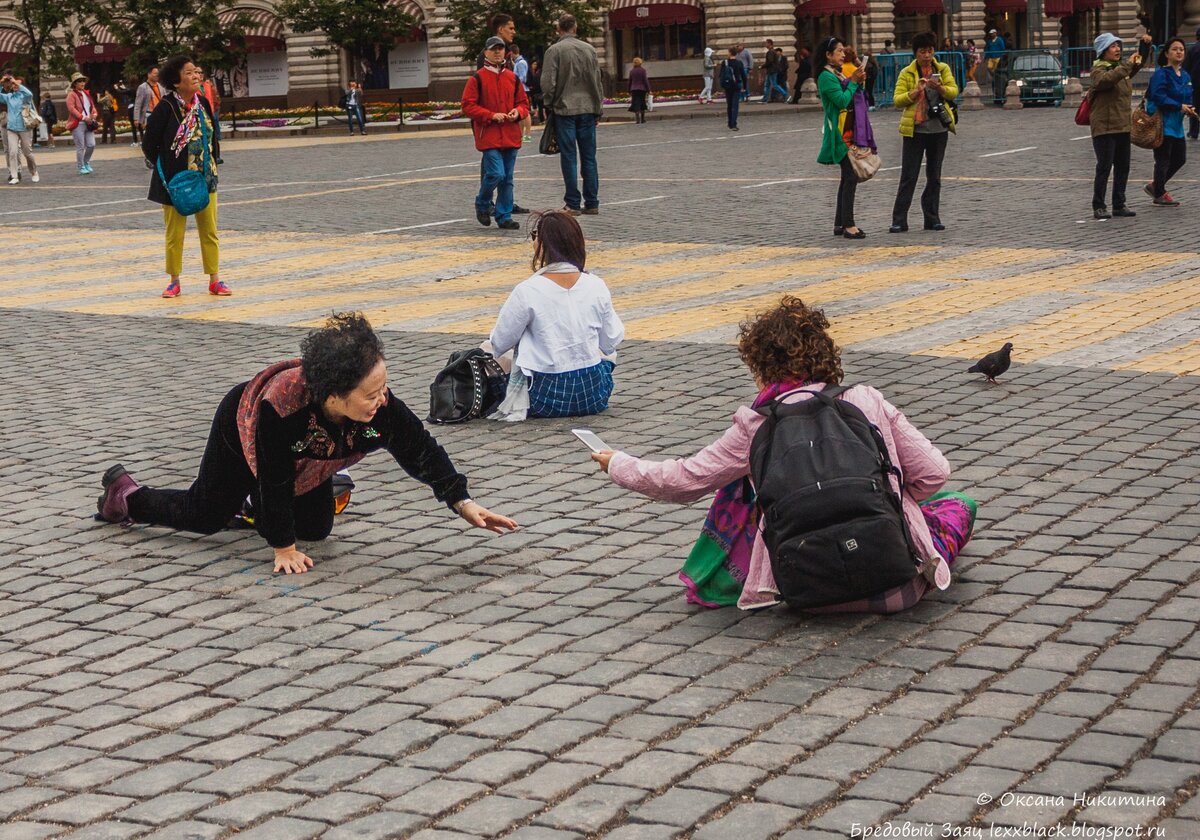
1111, 120
837, 91
81, 122
280, 439
18, 135
923, 90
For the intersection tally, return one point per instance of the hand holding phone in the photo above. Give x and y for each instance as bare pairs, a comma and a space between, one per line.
592, 440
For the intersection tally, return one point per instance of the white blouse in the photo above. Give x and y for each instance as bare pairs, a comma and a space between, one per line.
556, 329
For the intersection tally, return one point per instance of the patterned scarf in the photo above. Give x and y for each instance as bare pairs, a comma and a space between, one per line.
921, 100
188, 125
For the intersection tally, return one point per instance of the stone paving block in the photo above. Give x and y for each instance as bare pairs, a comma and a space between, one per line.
644, 831
451, 751
328, 774
494, 814
748, 821
706, 741
1099, 748
591, 808
107, 830
604, 751
18, 800
891, 785
82, 808
168, 808
158, 779
28, 830
496, 768
436, 797
796, 791
337, 808
250, 808
681, 807
188, 830
242, 776
91, 773
838, 761
551, 781
539, 832
284, 828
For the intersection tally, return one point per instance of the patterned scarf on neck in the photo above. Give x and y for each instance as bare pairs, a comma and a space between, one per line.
187, 125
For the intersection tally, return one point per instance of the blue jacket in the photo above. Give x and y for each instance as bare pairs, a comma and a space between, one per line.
16, 100
1167, 92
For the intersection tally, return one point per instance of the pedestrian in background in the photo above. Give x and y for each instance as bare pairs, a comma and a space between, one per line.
781, 73
124, 100
210, 91
922, 91
1191, 65
771, 73
1112, 120
49, 114
837, 92
733, 82
536, 99
179, 136
521, 69
18, 139
1170, 93
494, 99
352, 104
505, 29
710, 66
149, 94
803, 72
747, 58
107, 104
81, 122
639, 89
574, 91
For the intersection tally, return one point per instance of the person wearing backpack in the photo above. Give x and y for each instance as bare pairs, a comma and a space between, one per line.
882, 530
733, 80
495, 101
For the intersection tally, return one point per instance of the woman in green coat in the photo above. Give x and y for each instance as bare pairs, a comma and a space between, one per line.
837, 95
922, 90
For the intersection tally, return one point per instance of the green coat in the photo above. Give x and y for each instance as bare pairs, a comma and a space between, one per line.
1112, 97
906, 91
834, 100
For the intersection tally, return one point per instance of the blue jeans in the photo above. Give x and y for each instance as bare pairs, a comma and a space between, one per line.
572, 131
732, 102
497, 178
770, 85
353, 114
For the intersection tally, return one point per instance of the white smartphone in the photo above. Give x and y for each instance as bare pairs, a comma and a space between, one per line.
591, 439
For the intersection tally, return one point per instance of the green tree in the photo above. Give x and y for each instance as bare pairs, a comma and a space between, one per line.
536, 21
367, 29
40, 19
155, 29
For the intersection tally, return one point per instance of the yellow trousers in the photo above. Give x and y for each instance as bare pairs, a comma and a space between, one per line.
206, 226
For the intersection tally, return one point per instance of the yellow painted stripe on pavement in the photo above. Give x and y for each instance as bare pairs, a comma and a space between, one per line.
1088, 323
1183, 360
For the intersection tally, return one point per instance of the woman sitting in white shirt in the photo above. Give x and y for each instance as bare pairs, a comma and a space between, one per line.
561, 324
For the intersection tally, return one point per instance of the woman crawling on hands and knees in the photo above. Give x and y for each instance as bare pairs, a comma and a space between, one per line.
279, 439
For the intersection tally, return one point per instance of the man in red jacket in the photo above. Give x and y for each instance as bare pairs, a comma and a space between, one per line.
495, 100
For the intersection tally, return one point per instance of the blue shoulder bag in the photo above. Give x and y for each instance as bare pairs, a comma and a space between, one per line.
189, 189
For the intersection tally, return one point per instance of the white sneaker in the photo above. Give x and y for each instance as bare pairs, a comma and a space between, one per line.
12, 181
36, 177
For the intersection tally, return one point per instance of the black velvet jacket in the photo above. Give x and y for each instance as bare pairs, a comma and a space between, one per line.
161, 129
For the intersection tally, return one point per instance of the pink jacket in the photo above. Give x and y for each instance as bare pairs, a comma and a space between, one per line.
686, 480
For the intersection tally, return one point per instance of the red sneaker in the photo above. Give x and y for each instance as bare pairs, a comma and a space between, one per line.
172, 291
219, 288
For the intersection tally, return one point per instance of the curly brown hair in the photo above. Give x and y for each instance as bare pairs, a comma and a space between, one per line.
790, 343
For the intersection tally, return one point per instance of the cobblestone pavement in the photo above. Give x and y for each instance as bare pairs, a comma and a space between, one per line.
551, 684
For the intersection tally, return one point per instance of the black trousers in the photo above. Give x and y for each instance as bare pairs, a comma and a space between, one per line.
108, 131
222, 485
1169, 158
844, 217
931, 148
134, 129
1112, 154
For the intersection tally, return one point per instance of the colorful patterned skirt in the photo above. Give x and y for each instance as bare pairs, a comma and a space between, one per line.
573, 393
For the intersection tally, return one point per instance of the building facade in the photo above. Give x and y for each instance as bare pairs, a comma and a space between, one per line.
669, 35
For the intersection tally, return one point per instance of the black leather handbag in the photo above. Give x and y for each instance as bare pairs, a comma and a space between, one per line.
471, 385
548, 145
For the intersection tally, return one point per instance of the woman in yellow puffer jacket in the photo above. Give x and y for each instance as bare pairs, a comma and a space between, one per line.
923, 89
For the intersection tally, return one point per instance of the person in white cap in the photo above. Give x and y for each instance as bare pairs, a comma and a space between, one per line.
1111, 120
709, 67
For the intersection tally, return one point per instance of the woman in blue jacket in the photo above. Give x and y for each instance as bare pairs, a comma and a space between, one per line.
1171, 93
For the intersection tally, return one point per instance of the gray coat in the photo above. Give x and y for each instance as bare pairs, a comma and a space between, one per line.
571, 83
141, 103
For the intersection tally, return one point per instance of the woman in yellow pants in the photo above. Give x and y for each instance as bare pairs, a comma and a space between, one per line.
179, 136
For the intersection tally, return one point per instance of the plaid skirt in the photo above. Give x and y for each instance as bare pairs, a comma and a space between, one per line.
573, 393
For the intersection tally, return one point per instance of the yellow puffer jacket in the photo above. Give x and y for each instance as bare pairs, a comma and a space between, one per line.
906, 91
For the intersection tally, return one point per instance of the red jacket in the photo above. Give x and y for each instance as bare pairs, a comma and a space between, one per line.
75, 108
488, 93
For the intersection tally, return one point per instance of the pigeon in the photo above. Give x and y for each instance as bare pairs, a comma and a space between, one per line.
994, 364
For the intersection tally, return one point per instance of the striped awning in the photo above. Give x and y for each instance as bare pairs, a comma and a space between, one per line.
636, 14
821, 8
264, 31
13, 42
410, 8
922, 7
102, 47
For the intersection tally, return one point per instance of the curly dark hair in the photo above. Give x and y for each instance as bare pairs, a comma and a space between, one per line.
339, 355
790, 343
172, 70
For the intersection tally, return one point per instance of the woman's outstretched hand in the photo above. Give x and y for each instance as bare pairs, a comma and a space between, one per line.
292, 561
602, 458
481, 517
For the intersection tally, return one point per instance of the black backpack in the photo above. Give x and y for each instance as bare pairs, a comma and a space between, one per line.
832, 524
728, 77
471, 385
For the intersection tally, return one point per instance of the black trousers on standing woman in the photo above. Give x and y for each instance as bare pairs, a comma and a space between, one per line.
932, 148
222, 485
1112, 154
844, 217
1169, 158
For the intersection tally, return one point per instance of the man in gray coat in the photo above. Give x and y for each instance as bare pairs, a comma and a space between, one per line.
149, 94
573, 91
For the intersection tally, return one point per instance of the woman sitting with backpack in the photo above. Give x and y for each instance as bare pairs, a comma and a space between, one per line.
792, 358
